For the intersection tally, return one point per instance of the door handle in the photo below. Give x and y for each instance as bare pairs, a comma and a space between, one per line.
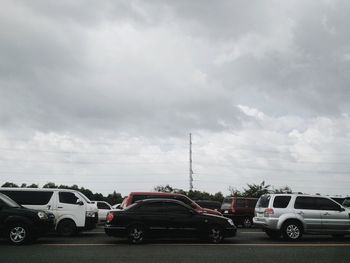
59, 206
326, 214
301, 213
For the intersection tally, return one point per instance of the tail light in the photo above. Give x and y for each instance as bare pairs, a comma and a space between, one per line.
109, 217
268, 212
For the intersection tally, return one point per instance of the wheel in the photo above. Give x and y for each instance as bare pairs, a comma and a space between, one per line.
215, 234
67, 228
136, 234
247, 222
273, 234
18, 234
292, 230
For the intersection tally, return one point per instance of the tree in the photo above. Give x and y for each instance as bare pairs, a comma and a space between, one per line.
33, 186
50, 185
9, 184
283, 190
256, 190
164, 189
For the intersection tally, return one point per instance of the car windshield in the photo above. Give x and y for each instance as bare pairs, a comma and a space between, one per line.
8, 201
85, 198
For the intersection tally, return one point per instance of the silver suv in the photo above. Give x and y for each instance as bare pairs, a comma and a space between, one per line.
292, 215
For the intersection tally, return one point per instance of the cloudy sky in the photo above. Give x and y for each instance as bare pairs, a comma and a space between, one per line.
104, 94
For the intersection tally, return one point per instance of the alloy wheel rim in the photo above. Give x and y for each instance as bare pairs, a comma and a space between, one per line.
17, 234
293, 231
215, 234
137, 234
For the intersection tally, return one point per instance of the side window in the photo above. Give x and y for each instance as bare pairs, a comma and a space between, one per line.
68, 198
136, 198
184, 200
326, 204
252, 202
240, 203
30, 197
2, 203
172, 208
303, 202
102, 206
155, 207
281, 201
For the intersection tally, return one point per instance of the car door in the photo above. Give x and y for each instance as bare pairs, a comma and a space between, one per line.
68, 206
181, 220
334, 217
103, 209
306, 207
151, 214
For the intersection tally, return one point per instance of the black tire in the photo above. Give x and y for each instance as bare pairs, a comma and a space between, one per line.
67, 228
215, 234
273, 234
136, 234
292, 230
18, 234
247, 222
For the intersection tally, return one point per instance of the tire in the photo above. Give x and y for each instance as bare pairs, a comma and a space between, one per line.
215, 234
247, 222
273, 234
292, 230
67, 228
136, 234
18, 234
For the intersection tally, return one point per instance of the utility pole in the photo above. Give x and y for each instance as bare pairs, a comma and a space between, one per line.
191, 171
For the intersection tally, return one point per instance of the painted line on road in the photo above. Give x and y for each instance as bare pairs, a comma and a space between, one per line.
218, 245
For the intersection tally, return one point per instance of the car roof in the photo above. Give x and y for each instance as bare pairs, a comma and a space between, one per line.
155, 193
37, 189
154, 200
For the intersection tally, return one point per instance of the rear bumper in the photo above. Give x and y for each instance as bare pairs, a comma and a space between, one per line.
266, 223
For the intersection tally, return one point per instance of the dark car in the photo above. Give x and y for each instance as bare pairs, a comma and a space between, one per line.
213, 205
166, 218
239, 209
137, 196
21, 225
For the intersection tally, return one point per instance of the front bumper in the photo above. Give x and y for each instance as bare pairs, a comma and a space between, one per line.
91, 222
230, 232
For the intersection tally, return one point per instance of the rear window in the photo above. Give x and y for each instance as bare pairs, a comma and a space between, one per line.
226, 204
29, 197
281, 201
263, 201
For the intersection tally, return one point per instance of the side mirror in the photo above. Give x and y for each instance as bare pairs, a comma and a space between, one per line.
342, 209
79, 202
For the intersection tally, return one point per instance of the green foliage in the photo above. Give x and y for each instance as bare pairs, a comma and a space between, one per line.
256, 190
9, 184
194, 195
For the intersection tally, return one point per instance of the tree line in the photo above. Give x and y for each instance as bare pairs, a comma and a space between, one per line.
252, 190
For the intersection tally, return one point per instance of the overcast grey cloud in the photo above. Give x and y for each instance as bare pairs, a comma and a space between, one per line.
105, 94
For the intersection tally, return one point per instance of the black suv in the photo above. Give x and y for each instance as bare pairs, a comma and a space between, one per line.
21, 225
166, 218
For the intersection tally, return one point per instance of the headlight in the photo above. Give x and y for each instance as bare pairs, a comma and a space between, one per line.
42, 215
90, 214
230, 222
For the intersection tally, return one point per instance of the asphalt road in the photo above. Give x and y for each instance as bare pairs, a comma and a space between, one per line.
250, 245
